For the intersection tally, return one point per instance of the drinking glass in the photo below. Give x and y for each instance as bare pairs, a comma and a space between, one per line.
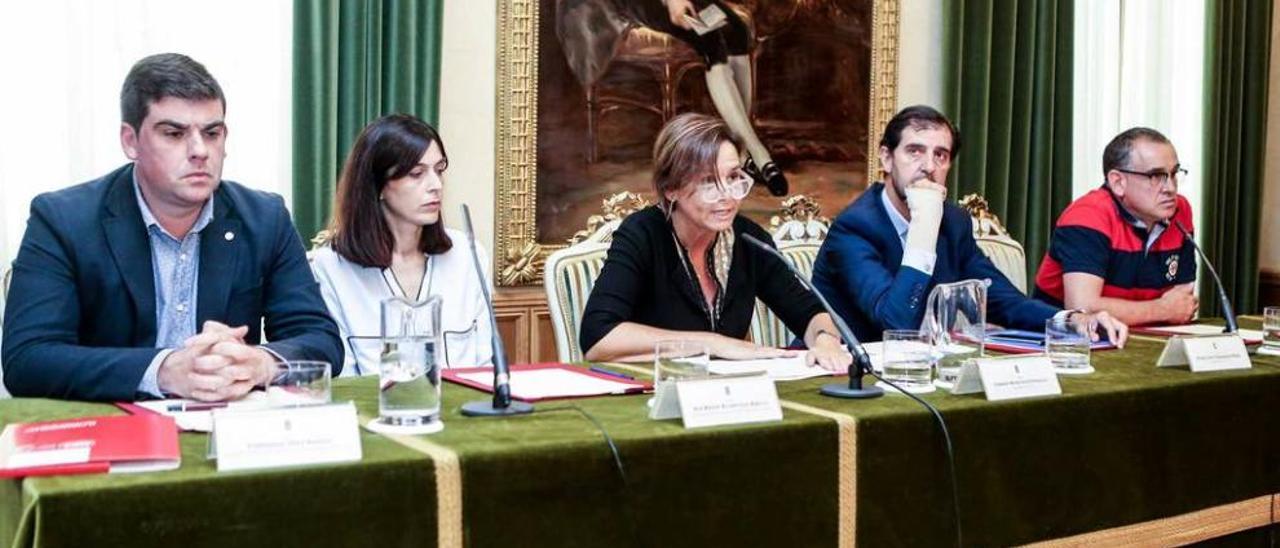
1066, 342
908, 360
300, 382
673, 360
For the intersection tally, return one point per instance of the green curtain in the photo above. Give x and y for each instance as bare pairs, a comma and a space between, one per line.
1238, 46
1009, 89
353, 61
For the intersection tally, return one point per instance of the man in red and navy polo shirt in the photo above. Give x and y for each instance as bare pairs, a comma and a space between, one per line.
1116, 249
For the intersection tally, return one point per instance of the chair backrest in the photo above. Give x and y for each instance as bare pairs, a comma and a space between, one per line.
568, 276
1008, 256
994, 241
798, 231
766, 328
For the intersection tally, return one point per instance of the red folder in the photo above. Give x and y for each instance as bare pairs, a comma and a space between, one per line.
129, 443
610, 384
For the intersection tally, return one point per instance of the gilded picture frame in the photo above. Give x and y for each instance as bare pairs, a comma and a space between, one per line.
519, 256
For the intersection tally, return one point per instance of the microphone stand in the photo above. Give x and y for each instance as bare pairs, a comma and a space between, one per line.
502, 404
861, 365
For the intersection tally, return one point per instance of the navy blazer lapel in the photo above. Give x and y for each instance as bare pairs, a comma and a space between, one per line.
131, 249
220, 248
885, 230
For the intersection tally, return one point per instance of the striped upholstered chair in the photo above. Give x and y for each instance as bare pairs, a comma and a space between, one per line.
798, 232
570, 273
1007, 254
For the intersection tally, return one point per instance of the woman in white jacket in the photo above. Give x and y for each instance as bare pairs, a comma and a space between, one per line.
387, 239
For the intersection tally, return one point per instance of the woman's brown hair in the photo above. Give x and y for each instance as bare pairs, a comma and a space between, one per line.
686, 148
387, 149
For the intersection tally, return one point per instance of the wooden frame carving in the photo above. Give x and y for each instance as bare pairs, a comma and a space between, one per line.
519, 256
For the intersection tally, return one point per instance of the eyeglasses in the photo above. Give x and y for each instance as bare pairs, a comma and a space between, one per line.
735, 187
1159, 179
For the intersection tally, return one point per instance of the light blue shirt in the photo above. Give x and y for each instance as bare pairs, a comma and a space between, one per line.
175, 266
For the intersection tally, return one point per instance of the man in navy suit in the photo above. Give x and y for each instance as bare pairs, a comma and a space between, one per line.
891, 246
157, 279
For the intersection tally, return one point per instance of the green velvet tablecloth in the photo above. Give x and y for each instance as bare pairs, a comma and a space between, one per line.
1127, 444
546, 479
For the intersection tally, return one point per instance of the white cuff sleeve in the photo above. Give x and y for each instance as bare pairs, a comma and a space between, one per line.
150, 383
919, 259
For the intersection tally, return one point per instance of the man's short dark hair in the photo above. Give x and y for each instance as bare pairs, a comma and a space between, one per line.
918, 117
1116, 155
162, 75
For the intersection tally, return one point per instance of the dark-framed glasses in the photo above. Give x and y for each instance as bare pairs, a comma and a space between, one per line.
735, 187
1159, 179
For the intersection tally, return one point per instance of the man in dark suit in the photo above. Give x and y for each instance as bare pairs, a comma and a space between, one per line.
157, 279
891, 246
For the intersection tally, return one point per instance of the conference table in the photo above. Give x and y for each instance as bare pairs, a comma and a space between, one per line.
1128, 453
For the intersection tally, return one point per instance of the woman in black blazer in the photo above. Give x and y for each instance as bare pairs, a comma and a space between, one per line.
680, 270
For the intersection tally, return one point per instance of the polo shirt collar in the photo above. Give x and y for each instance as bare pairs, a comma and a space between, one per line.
1149, 234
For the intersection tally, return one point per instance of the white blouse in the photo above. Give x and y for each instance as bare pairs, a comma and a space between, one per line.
354, 295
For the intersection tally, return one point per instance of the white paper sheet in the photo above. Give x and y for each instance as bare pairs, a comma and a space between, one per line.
1249, 335
202, 421
778, 369
532, 384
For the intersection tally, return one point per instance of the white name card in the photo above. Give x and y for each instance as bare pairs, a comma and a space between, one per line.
1008, 378
718, 400
1211, 353
269, 438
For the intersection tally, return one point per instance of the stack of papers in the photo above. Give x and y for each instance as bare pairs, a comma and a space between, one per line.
196, 416
1019, 341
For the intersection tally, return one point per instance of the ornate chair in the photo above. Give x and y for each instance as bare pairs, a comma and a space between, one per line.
798, 231
1007, 254
570, 273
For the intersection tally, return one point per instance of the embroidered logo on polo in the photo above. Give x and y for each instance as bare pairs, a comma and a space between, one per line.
1172, 264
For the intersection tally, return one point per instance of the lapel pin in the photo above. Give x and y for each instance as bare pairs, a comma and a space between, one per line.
229, 236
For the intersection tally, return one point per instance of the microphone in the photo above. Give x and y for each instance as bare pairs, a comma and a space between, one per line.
861, 361
1227, 311
502, 403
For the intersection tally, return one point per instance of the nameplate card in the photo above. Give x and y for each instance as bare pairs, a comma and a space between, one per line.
717, 400
1008, 378
270, 438
1206, 353
728, 399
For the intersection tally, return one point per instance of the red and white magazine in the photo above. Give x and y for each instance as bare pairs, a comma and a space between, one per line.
128, 443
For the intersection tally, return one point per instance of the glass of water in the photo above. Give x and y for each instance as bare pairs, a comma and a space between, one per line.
1067, 342
300, 382
1271, 329
908, 360
408, 367
674, 360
